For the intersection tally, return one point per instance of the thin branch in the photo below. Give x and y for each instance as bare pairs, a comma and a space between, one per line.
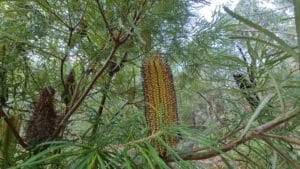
109, 29
117, 43
242, 53
69, 13
207, 101
86, 91
248, 136
13, 129
71, 31
101, 106
89, 69
246, 157
75, 93
53, 13
284, 138
231, 133
113, 69
136, 19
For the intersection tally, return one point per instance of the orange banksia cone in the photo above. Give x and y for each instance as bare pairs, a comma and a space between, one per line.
160, 99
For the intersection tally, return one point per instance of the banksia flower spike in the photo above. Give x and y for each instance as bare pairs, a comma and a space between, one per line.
42, 123
160, 99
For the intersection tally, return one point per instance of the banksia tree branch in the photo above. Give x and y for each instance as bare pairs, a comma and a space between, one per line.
160, 99
255, 133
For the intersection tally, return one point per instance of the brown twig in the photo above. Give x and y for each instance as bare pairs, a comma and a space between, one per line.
71, 31
136, 19
117, 43
13, 129
248, 136
231, 133
53, 13
284, 138
113, 69
77, 87
102, 103
108, 27
86, 91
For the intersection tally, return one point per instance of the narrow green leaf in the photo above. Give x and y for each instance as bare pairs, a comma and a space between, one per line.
257, 112
101, 162
145, 155
277, 88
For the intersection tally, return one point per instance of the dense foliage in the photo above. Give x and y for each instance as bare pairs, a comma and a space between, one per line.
72, 69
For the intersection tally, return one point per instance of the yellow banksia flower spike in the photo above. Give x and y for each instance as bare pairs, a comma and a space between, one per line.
160, 99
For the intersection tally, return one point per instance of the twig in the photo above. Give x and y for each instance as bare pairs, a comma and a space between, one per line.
77, 88
117, 43
102, 103
86, 91
71, 31
136, 19
207, 101
242, 53
109, 29
53, 13
231, 133
12, 127
284, 138
248, 136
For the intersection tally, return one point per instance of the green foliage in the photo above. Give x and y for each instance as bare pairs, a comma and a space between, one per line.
104, 43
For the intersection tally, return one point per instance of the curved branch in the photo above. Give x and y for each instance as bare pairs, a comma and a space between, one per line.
86, 91
283, 138
248, 136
